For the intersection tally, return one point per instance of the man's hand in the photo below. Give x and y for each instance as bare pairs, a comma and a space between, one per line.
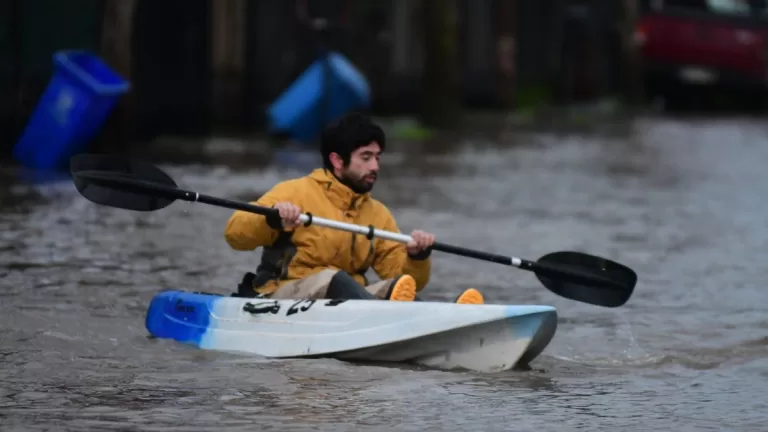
420, 241
289, 214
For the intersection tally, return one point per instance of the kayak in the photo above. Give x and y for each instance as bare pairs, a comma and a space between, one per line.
483, 338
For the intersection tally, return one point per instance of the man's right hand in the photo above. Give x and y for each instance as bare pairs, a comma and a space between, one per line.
289, 214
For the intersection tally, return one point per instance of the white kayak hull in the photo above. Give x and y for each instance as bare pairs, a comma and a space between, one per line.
485, 338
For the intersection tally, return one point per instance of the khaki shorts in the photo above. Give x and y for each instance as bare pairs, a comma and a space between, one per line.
315, 287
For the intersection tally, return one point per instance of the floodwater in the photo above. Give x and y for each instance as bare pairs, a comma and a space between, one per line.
680, 201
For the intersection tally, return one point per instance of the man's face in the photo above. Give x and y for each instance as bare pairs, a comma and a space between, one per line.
363, 168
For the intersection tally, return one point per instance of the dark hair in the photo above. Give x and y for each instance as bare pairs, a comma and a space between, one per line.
347, 134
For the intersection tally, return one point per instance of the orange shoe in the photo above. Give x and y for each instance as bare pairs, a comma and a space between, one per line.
403, 289
470, 296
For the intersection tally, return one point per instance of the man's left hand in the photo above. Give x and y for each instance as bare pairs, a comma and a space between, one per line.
420, 241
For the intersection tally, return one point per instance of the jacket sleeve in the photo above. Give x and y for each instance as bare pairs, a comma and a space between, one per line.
391, 258
248, 231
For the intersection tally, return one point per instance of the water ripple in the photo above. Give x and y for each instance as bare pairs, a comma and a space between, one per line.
679, 201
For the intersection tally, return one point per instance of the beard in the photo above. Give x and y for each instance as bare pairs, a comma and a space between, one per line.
361, 183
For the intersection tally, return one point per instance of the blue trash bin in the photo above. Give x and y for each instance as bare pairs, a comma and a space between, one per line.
71, 111
301, 111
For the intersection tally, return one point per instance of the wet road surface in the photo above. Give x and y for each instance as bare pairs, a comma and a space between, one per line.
680, 201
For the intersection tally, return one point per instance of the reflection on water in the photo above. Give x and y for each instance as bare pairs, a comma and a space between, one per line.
679, 202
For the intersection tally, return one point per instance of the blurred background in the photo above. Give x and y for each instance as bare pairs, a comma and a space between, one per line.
204, 67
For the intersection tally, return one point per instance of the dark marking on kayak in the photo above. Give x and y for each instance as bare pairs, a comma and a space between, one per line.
207, 293
335, 302
295, 309
181, 307
185, 308
272, 307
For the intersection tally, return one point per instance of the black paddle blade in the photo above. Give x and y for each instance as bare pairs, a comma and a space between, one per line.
122, 183
594, 280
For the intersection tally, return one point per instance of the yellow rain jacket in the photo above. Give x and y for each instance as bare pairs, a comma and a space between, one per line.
307, 250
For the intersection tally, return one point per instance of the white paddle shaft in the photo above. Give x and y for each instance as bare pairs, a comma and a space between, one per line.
359, 229
371, 232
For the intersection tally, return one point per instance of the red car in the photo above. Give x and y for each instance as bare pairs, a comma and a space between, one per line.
691, 45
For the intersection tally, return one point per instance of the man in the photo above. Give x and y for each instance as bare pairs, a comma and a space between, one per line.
317, 262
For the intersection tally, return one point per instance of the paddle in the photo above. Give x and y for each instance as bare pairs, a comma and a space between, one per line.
140, 186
